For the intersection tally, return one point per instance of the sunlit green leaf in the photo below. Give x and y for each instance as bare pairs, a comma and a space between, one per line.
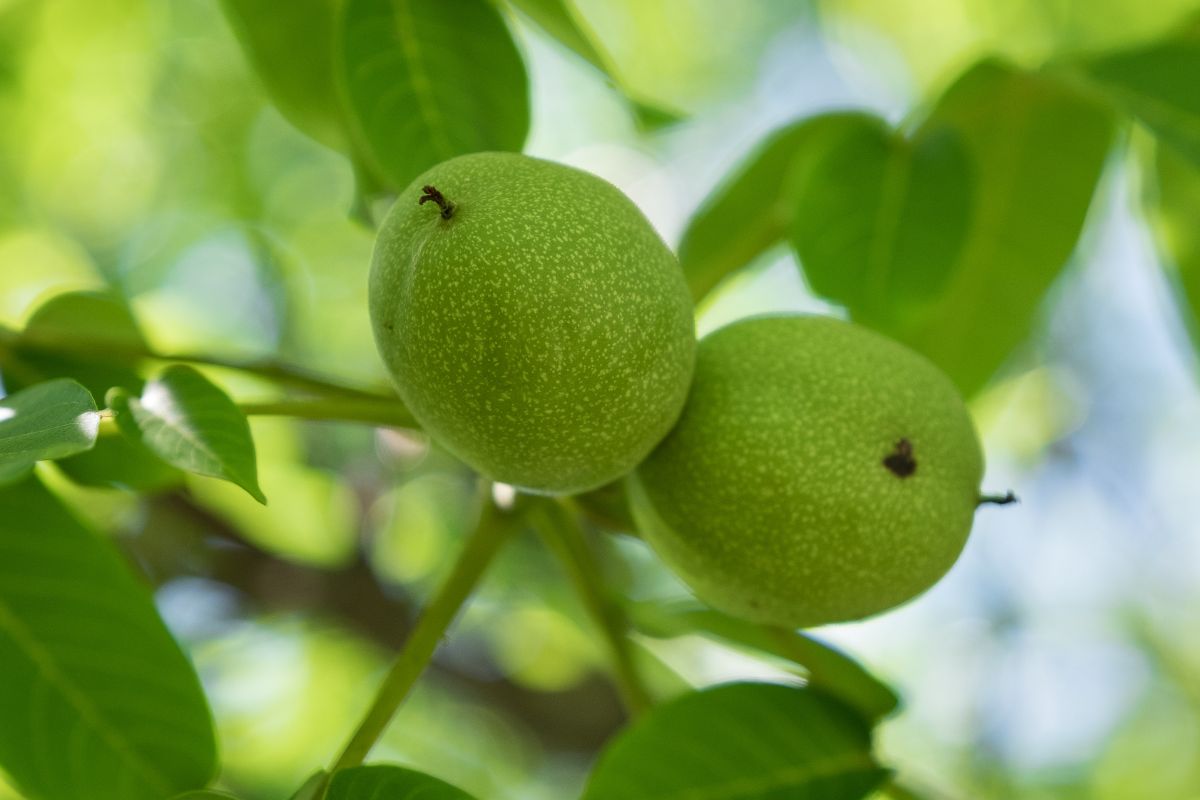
91, 337
204, 794
49, 420
99, 702
827, 667
741, 741
1157, 83
189, 422
751, 210
561, 20
425, 82
1171, 196
392, 783
880, 218
290, 46
1037, 149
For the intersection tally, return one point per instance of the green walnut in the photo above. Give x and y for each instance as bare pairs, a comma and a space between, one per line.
532, 320
819, 473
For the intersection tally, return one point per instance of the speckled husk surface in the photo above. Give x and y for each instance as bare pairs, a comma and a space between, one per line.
773, 497
543, 333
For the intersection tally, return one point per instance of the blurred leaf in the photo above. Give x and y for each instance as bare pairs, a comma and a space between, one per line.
99, 701
315, 524
204, 794
651, 116
50, 420
114, 342
880, 218
313, 788
192, 424
827, 667
1157, 83
1171, 199
425, 82
751, 209
393, 783
1037, 150
290, 46
119, 462
102, 321
11, 473
562, 21
741, 741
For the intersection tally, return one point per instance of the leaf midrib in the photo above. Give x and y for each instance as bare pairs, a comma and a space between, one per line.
422, 87
43, 661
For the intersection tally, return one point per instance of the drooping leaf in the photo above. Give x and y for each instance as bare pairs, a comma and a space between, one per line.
97, 699
377, 782
880, 218
562, 21
1157, 84
752, 209
425, 82
190, 423
91, 337
1037, 149
48, 420
290, 46
1171, 198
827, 667
741, 741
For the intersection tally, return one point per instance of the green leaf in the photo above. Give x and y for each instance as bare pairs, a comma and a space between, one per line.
1157, 83
204, 794
1171, 198
741, 741
313, 788
752, 209
91, 337
118, 462
1037, 150
99, 701
12, 473
187, 421
880, 218
290, 46
562, 22
827, 667
425, 82
50, 420
392, 783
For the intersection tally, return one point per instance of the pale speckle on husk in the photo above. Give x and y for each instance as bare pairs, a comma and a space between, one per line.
543, 333
771, 496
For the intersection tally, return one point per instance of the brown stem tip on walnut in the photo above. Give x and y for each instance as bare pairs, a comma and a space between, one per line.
998, 499
431, 194
901, 461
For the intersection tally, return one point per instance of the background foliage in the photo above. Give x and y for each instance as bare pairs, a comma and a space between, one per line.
1012, 188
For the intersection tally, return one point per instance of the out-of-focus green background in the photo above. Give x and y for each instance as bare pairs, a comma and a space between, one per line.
1059, 659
